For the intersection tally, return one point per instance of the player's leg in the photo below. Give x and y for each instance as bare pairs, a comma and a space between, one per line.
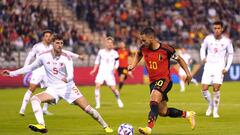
176, 113
26, 98
182, 77
97, 95
36, 101
83, 104
121, 81
36, 78
206, 80
112, 84
216, 99
155, 99
182, 83
45, 109
98, 82
194, 81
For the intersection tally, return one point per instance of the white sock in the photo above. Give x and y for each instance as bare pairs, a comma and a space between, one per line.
97, 97
45, 107
194, 81
25, 101
37, 109
207, 96
116, 93
94, 113
216, 100
182, 85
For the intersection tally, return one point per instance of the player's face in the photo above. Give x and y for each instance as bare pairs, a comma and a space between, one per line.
121, 45
47, 38
217, 30
146, 40
57, 46
109, 44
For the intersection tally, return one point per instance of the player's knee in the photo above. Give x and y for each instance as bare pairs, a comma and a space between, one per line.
35, 99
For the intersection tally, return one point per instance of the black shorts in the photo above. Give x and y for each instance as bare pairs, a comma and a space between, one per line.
122, 70
163, 86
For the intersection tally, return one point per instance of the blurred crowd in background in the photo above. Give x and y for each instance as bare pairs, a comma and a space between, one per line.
183, 23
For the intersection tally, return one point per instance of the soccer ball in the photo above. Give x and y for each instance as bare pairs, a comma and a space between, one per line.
125, 129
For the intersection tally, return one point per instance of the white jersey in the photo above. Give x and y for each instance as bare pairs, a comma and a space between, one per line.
56, 67
37, 49
218, 51
107, 61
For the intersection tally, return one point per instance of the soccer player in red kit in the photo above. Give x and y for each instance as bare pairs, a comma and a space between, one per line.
123, 72
157, 57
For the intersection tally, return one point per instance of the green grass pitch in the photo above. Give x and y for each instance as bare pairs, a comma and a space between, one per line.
71, 120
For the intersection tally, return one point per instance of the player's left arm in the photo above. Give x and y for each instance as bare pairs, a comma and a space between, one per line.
184, 66
229, 58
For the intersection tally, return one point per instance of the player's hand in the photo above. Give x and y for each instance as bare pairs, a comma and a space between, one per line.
64, 79
130, 67
130, 74
5, 73
81, 57
92, 72
188, 79
224, 71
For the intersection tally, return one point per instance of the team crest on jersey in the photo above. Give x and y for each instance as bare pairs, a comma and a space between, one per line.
48, 62
160, 57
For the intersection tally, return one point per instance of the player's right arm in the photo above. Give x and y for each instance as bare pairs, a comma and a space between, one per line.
30, 56
137, 57
37, 63
203, 50
97, 62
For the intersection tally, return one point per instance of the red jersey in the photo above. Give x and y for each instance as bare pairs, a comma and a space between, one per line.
123, 57
158, 61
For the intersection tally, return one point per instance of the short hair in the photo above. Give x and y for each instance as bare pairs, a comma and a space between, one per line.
218, 23
57, 37
110, 38
148, 31
46, 31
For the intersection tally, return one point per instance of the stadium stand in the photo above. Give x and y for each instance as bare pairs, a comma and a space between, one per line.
184, 23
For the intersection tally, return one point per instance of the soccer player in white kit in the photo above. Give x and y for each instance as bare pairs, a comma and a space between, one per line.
39, 74
59, 69
107, 63
182, 75
217, 62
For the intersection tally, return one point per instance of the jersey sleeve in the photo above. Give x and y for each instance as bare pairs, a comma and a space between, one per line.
30, 56
71, 54
98, 58
37, 63
203, 49
230, 55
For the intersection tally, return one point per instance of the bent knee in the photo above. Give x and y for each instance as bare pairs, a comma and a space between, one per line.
35, 98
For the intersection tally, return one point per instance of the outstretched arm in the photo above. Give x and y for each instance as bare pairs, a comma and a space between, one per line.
37, 63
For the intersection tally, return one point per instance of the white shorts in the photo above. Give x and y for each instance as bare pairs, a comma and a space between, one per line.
212, 74
69, 93
181, 72
39, 77
212, 77
109, 78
